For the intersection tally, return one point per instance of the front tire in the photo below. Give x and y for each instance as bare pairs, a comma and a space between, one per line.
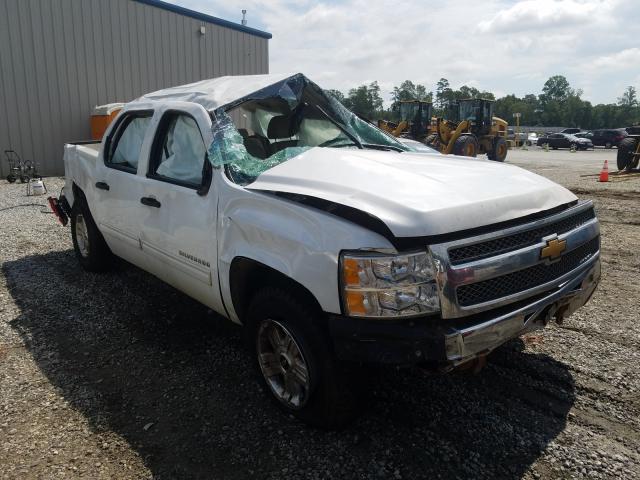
466, 146
608, 145
88, 243
294, 361
499, 151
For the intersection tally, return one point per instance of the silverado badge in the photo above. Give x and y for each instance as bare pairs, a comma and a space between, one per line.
553, 249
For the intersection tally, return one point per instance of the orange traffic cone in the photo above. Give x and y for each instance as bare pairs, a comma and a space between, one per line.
604, 173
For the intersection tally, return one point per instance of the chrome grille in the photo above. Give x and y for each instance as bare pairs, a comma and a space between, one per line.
518, 240
527, 278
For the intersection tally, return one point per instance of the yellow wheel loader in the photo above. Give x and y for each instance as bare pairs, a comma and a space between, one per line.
415, 120
471, 130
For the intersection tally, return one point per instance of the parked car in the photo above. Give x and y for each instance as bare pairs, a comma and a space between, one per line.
565, 140
334, 245
634, 130
532, 138
587, 134
571, 131
608, 138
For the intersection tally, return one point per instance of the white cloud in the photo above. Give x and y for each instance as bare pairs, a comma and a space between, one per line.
541, 14
624, 60
503, 46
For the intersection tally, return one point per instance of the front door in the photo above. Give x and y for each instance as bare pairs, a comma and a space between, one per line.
179, 232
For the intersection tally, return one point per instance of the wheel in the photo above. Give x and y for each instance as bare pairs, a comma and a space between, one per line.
11, 178
555, 148
89, 245
24, 179
466, 146
432, 141
294, 361
626, 149
499, 152
608, 145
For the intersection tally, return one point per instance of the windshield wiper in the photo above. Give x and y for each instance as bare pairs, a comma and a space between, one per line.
375, 146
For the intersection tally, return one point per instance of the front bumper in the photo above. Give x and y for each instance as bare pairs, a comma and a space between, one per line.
432, 340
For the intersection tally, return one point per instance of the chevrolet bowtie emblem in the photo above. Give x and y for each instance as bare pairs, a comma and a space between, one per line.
553, 249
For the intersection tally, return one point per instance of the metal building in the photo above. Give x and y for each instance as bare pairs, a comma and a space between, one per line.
60, 58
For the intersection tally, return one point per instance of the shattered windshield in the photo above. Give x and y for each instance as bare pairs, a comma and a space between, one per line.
283, 121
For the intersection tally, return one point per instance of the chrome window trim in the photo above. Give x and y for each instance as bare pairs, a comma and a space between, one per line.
449, 277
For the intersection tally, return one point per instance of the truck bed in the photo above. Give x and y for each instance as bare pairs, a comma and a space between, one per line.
79, 165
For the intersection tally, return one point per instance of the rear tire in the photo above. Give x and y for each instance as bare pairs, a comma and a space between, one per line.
11, 178
626, 149
608, 145
432, 141
88, 243
466, 146
308, 383
499, 151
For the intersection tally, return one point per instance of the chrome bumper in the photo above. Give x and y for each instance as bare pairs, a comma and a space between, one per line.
464, 344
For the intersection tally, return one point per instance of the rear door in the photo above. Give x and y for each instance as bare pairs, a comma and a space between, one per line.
118, 186
179, 232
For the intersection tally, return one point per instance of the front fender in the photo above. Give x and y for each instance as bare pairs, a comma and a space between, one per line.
300, 242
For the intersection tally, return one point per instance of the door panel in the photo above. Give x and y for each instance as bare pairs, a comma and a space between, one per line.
179, 236
117, 206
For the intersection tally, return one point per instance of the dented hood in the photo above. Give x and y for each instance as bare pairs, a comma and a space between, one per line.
416, 194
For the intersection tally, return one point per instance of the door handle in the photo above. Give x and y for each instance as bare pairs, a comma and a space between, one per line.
150, 202
102, 185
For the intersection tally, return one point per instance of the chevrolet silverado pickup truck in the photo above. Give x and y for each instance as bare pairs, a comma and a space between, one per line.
334, 245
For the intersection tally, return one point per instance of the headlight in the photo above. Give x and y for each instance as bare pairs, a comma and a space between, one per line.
388, 286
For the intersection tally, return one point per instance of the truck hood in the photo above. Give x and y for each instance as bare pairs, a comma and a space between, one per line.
416, 194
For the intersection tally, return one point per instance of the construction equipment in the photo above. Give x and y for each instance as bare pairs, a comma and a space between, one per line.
628, 152
415, 120
470, 129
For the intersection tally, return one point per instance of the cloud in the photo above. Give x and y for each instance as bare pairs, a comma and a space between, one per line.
502, 45
539, 15
623, 60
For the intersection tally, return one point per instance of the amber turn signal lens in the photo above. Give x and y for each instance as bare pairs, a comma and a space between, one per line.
351, 272
355, 303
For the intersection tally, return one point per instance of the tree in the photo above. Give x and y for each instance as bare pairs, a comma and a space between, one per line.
628, 98
365, 100
444, 94
410, 91
557, 88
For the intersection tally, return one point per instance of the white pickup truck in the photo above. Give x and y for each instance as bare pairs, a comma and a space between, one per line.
333, 244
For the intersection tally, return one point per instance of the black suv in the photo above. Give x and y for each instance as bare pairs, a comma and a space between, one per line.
607, 138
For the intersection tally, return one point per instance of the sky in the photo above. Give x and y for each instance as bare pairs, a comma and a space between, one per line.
503, 46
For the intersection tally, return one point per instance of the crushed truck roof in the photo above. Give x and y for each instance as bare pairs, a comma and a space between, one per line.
216, 92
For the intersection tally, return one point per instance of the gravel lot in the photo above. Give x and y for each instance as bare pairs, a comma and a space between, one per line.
120, 376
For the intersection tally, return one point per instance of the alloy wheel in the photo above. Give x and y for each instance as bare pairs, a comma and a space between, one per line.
282, 364
82, 235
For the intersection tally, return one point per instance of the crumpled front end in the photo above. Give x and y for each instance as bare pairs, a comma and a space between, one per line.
493, 288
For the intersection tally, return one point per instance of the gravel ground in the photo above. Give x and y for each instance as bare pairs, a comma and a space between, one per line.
121, 376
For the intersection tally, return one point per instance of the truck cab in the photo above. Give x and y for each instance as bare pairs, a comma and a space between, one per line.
334, 245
